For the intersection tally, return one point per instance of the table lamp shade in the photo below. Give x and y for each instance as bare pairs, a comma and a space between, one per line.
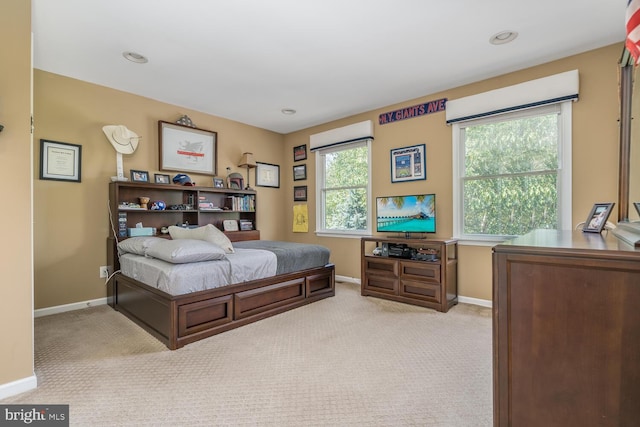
247, 161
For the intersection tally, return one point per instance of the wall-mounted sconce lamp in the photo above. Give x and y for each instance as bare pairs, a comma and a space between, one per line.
247, 162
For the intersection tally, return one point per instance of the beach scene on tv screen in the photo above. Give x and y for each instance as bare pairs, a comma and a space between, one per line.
406, 214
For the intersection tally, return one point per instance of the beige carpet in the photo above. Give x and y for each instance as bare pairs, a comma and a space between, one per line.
344, 361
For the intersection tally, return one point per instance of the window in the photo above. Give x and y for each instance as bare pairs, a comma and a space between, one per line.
343, 192
512, 173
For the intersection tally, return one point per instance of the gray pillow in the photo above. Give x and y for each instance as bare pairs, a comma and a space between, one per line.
138, 245
185, 250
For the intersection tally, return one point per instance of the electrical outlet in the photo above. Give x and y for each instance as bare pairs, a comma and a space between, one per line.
104, 272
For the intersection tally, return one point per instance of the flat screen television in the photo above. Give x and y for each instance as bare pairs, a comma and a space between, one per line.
406, 214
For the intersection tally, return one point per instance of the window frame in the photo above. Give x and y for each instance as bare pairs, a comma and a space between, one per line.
320, 154
564, 188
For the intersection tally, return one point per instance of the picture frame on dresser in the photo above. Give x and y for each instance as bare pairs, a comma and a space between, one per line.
187, 149
597, 218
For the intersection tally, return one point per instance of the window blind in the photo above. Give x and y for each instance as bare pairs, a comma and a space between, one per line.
547, 90
342, 135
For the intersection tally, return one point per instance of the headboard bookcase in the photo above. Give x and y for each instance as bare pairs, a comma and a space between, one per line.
177, 320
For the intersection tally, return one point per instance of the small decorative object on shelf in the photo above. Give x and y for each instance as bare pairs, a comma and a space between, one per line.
143, 202
158, 205
185, 121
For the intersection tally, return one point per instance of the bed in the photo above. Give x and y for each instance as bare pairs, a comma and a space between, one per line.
194, 295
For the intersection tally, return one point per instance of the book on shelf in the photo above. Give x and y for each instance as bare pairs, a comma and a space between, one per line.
246, 203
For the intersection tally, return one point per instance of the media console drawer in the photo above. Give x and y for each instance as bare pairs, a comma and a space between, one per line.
381, 265
421, 271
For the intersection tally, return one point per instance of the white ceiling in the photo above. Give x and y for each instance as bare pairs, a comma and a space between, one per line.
246, 60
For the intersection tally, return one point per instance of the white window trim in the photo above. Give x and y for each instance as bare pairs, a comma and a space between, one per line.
320, 208
564, 180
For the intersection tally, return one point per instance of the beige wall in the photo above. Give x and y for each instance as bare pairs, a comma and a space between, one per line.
595, 158
71, 220
16, 279
71, 111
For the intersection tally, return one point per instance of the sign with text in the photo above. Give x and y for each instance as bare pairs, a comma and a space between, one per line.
414, 111
34, 415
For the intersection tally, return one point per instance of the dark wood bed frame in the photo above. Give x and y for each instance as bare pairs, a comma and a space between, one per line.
177, 320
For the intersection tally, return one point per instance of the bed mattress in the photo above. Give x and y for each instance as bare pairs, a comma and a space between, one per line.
290, 256
252, 260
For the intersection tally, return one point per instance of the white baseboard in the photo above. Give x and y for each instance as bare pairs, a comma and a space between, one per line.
475, 301
464, 300
347, 279
17, 387
68, 307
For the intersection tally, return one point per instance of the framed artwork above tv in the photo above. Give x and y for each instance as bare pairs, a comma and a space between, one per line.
408, 164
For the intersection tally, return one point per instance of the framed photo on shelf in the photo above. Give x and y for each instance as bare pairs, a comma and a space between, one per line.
139, 176
637, 206
267, 175
408, 164
60, 161
218, 183
186, 149
161, 178
299, 153
597, 217
300, 193
300, 172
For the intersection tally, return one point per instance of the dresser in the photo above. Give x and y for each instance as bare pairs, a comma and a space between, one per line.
566, 330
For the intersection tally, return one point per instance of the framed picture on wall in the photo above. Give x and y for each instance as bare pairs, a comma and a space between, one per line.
186, 149
60, 161
300, 193
299, 172
267, 175
408, 164
299, 153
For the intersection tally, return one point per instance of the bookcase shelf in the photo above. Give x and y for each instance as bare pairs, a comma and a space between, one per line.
232, 205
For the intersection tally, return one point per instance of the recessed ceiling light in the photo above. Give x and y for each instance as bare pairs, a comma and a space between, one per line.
135, 57
288, 111
503, 37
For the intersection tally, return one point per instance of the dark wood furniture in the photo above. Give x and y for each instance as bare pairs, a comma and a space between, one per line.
430, 284
183, 319
225, 199
566, 330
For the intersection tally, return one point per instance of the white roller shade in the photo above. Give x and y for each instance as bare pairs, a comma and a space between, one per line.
547, 90
343, 135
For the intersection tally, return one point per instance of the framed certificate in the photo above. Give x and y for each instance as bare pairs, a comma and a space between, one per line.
60, 161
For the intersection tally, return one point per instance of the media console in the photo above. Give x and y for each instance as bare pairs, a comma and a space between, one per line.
414, 271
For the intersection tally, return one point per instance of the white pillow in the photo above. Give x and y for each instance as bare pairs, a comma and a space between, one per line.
138, 245
208, 233
185, 250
